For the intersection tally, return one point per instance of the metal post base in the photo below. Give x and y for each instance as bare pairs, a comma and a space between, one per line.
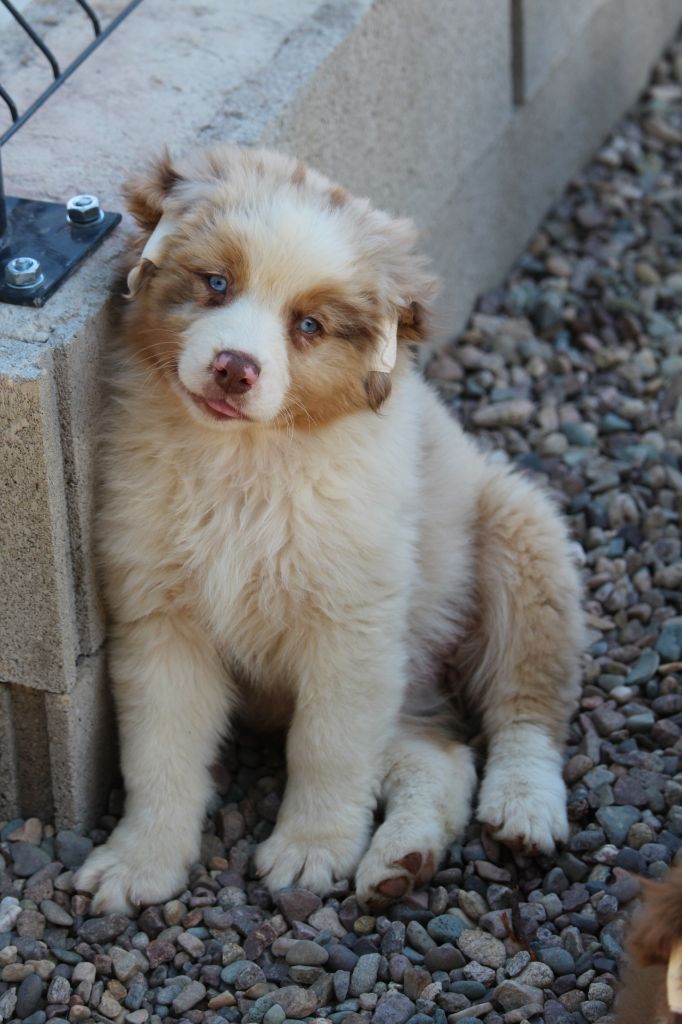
41, 231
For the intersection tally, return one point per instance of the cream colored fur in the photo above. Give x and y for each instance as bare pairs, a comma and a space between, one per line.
333, 567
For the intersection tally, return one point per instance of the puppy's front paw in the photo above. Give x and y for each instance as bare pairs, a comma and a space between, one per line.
524, 808
128, 873
302, 856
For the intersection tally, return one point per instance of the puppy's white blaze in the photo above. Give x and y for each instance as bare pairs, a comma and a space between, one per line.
243, 326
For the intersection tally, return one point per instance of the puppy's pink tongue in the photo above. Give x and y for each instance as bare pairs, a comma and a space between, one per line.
223, 408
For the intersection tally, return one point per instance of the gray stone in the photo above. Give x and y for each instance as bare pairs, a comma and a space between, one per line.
364, 976
446, 928
555, 1013
617, 821
473, 990
59, 990
125, 963
517, 963
479, 945
307, 953
297, 904
512, 994
669, 643
189, 997
593, 1009
28, 996
303, 975
393, 1008
418, 938
191, 945
103, 929
27, 859
55, 914
275, 1015
8, 1001
559, 960
514, 413
341, 958
72, 848
393, 939
643, 669
296, 1002
537, 975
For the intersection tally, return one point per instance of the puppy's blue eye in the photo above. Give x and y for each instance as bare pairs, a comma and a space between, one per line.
308, 325
217, 283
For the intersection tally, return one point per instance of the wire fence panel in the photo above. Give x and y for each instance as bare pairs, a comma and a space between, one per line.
41, 45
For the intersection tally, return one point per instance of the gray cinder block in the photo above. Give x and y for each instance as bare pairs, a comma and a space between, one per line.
57, 750
37, 624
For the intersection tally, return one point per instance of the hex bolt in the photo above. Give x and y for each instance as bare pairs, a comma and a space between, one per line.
84, 209
23, 272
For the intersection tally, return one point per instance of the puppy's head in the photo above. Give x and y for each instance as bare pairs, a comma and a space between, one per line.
264, 293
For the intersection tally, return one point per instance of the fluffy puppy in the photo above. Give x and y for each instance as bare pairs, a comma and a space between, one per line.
652, 982
293, 527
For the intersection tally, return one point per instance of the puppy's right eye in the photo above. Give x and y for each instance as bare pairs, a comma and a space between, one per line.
309, 325
217, 283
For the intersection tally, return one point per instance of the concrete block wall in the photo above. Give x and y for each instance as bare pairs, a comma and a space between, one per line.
467, 116
56, 723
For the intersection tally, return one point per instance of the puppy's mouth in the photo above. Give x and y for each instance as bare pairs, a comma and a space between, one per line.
216, 408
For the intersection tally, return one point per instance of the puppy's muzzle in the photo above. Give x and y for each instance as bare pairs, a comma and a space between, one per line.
234, 372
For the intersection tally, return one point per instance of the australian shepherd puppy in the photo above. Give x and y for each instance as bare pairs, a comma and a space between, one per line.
652, 982
294, 529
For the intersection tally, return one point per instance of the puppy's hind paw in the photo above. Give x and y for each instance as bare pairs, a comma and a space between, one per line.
524, 812
393, 867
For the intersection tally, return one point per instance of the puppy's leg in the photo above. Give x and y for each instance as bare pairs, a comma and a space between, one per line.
172, 701
523, 662
428, 784
348, 702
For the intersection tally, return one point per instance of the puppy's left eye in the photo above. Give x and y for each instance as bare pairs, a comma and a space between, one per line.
309, 325
217, 283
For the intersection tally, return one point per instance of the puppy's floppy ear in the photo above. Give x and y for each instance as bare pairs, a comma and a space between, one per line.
407, 282
378, 380
406, 287
147, 193
147, 197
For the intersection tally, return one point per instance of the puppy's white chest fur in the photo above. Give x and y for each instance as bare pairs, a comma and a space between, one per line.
272, 540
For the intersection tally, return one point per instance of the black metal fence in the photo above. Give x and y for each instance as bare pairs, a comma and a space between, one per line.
63, 234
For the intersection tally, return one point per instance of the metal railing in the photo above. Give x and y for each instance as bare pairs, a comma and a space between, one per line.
25, 278
60, 76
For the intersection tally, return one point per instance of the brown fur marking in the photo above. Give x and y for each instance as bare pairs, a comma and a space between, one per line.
378, 387
656, 927
146, 194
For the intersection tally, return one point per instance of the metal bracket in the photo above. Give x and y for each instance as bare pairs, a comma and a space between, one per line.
46, 234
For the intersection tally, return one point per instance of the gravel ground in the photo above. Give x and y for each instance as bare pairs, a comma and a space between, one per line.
573, 368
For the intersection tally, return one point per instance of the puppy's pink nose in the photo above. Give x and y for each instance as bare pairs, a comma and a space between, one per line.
234, 372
